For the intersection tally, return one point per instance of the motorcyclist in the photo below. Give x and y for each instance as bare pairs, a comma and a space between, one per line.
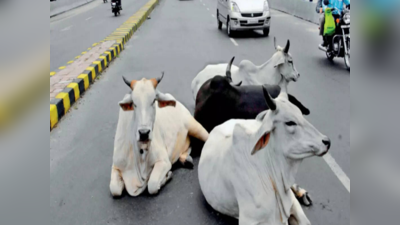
337, 7
119, 3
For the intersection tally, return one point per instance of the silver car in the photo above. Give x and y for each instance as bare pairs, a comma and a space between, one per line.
244, 15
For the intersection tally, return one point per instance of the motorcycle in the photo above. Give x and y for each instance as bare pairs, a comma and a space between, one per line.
115, 7
339, 43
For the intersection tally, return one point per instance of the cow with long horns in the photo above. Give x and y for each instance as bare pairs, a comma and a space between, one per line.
278, 70
152, 133
247, 167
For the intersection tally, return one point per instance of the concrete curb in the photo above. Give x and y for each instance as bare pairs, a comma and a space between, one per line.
60, 105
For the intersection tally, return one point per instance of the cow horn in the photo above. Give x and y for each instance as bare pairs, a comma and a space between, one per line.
286, 50
276, 47
126, 82
160, 78
268, 99
228, 69
238, 84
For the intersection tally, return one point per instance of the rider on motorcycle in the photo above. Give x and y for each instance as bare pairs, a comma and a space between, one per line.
119, 3
337, 6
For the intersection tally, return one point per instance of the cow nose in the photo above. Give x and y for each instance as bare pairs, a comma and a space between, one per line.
144, 134
327, 143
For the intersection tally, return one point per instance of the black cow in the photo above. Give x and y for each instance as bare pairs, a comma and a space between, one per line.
219, 101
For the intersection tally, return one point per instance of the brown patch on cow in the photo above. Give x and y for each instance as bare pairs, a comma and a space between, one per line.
133, 83
154, 82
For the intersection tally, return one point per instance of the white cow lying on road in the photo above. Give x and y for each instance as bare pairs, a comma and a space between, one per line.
152, 133
278, 70
247, 167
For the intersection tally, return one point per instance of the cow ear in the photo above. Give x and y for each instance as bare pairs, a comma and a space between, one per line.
165, 100
262, 136
261, 143
280, 61
126, 104
261, 115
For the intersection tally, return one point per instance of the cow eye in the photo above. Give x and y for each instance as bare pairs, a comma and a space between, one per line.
291, 123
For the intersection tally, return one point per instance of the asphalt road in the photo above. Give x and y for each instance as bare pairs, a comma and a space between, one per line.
180, 39
75, 31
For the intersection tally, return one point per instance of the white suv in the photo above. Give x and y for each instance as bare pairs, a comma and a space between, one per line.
244, 15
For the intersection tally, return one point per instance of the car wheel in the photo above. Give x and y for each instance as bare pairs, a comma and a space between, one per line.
219, 22
266, 32
228, 29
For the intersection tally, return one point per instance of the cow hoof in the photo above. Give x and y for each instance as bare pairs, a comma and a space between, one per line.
116, 190
305, 199
188, 162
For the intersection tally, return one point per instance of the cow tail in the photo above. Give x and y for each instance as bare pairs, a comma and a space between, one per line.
197, 130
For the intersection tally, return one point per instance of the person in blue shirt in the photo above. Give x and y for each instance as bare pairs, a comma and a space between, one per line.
339, 5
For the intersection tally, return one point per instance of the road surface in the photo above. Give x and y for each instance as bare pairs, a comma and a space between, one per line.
181, 38
73, 32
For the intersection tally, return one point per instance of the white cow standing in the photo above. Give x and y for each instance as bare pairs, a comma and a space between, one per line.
278, 70
152, 133
247, 167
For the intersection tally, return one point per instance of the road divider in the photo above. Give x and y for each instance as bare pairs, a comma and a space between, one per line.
69, 83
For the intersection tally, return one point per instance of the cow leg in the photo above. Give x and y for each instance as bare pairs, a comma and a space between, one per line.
116, 183
185, 159
302, 195
297, 215
159, 176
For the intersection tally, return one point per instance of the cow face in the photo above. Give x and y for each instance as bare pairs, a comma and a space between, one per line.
288, 131
284, 63
142, 101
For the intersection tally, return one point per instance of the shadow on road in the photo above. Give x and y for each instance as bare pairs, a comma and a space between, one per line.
246, 34
336, 64
216, 216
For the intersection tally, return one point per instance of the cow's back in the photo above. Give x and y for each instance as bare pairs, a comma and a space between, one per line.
209, 72
171, 129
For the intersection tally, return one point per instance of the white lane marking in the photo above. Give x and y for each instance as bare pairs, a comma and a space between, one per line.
88, 18
234, 42
67, 28
208, 9
212, 15
337, 171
